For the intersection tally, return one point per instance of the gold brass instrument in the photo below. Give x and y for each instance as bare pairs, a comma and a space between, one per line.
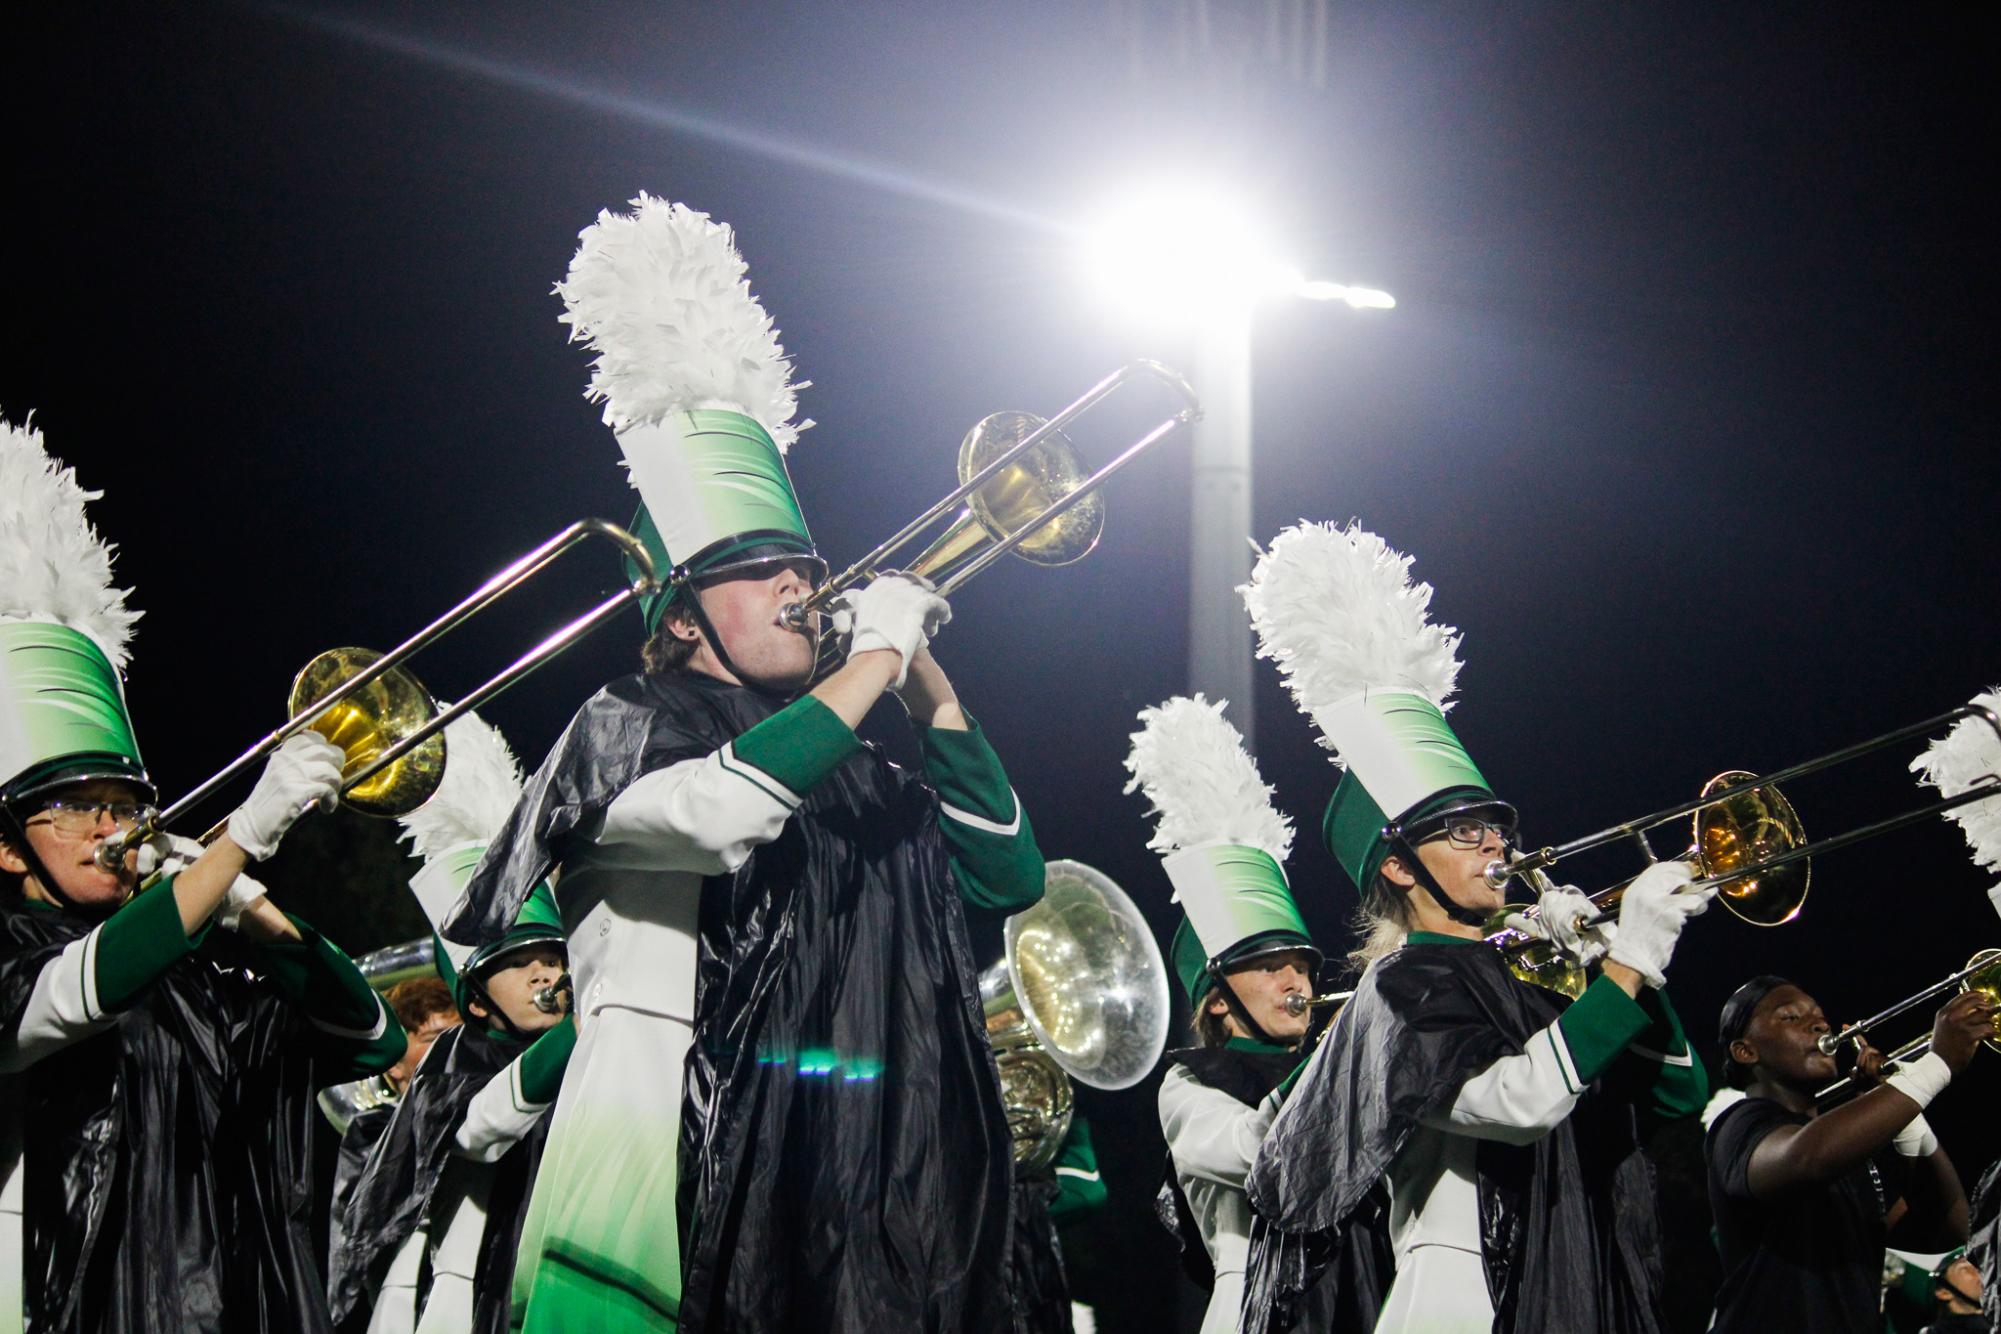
1080, 991
1748, 845
1024, 491
1738, 827
390, 729
1982, 973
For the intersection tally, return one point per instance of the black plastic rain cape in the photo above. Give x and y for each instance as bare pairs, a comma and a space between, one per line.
845, 1163
167, 1159
1568, 1224
1247, 1076
399, 1181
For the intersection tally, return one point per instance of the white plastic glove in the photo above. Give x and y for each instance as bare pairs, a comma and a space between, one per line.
1651, 915
303, 771
896, 611
1555, 919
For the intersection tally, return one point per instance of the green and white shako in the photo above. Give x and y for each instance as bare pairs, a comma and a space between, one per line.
63, 632
696, 386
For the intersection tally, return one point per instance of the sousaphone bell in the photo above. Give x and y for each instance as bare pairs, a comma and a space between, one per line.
1080, 992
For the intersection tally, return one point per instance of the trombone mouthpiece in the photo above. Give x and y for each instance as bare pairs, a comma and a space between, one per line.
1829, 1043
1297, 1004
1497, 874
554, 999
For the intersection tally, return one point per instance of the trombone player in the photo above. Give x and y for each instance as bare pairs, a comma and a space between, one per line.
1462, 1152
1806, 1201
156, 1108
754, 899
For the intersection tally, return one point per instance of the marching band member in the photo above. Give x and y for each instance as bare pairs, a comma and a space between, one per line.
160, 1076
766, 918
1806, 1201
1241, 953
1956, 1293
1473, 1126
427, 1237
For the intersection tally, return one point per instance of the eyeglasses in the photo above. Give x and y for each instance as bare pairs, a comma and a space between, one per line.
1470, 831
76, 817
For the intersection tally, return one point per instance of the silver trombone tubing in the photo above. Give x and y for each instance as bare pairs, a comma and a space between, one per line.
795, 615
113, 849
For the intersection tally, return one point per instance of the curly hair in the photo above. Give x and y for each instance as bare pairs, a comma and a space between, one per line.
420, 1000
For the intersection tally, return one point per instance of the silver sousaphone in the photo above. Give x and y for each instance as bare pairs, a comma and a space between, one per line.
1080, 992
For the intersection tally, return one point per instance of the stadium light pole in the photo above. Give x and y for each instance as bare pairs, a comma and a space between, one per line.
1194, 260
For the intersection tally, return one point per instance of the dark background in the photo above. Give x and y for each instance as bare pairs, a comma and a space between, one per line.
1685, 409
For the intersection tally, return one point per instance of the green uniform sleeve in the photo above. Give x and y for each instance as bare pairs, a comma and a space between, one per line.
139, 942
542, 1065
1080, 1187
992, 843
1598, 1026
1659, 1070
358, 1036
797, 747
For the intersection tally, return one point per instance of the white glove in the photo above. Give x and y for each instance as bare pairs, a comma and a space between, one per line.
1555, 919
1651, 915
243, 895
896, 611
168, 854
299, 774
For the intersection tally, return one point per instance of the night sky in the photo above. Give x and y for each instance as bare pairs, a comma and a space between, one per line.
1685, 409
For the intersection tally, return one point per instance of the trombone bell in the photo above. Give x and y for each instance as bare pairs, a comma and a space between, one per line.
1013, 498
392, 707
1745, 831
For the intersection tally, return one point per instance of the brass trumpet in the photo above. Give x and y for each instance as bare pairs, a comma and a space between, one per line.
1024, 491
385, 722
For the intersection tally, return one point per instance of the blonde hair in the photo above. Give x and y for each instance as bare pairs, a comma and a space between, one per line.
1379, 924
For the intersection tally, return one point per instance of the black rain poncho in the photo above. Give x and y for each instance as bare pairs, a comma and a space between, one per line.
1568, 1223
856, 1203
398, 1184
168, 1159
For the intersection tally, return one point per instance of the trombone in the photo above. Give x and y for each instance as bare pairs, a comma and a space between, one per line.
382, 718
1748, 843
1018, 475
1982, 973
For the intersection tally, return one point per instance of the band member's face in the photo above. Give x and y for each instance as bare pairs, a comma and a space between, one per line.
1964, 1293
65, 839
745, 611
1782, 1039
422, 1038
1262, 985
1461, 871
513, 982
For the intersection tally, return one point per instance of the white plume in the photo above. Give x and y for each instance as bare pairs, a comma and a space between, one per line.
53, 565
1335, 608
1202, 782
660, 295
481, 784
1967, 757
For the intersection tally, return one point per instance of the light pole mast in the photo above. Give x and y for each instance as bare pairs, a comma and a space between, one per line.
1219, 553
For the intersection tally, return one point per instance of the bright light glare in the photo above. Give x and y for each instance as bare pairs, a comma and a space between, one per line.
1358, 298
1176, 251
